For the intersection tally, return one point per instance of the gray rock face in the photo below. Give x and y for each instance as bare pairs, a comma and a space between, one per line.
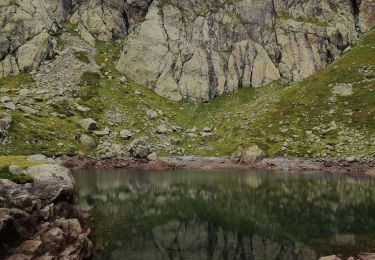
199, 49
41, 218
109, 19
26, 27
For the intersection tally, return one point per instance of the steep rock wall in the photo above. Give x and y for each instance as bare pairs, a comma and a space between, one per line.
200, 49
26, 27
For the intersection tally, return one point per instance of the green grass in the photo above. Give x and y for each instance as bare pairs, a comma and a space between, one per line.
304, 115
82, 56
20, 178
6, 161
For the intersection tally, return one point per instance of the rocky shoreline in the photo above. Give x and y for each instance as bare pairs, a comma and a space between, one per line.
38, 220
344, 165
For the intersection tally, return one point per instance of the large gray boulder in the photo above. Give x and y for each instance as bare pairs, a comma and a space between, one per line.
140, 149
200, 49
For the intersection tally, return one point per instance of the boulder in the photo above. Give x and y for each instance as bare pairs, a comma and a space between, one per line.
248, 155
28, 110
125, 134
101, 133
152, 114
41, 218
140, 149
15, 170
53, 240
87, 141
161, 129
254, 153
40, 158
152, 157
88, 124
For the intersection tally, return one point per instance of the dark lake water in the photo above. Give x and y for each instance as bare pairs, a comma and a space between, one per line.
227, 215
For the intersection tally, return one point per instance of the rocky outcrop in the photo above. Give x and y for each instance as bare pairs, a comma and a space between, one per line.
26, 27
200, 49
108, 20
38, 219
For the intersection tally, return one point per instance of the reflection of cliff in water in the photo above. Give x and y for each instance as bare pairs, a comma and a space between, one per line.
181, 240
199, 215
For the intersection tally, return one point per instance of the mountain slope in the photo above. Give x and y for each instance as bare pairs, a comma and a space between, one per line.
328, 114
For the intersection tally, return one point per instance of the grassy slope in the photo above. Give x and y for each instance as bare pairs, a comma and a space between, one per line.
303, 115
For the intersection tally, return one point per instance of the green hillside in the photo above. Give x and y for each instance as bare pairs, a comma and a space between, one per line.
331, 113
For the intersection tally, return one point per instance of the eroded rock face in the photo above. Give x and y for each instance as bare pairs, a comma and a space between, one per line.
26, 27
200, 49
38, 219
108, 20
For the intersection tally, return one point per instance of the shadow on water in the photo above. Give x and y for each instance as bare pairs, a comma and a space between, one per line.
226, 215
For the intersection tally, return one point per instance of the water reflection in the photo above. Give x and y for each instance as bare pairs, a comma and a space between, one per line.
226, 215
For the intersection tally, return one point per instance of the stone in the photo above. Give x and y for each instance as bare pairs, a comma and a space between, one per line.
53, 240
42, 218
9, 105
125, 134
343, 90
152, 114
29, 247
24, 92
27, 109
123, 80
253, 153
332, 257
161, 129
152, 157
5, 99
140, 149
109, 150
15, 170
207, 129
115, 117
70, 227
50, 172
83, 108
350, 159
104, 132
87, 141
41, 159
88, 124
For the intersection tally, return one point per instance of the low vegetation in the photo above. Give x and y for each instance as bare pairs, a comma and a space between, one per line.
305, 119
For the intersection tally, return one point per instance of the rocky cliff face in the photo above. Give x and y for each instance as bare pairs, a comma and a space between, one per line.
191, 49
200, 49
25, 27
28, 26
